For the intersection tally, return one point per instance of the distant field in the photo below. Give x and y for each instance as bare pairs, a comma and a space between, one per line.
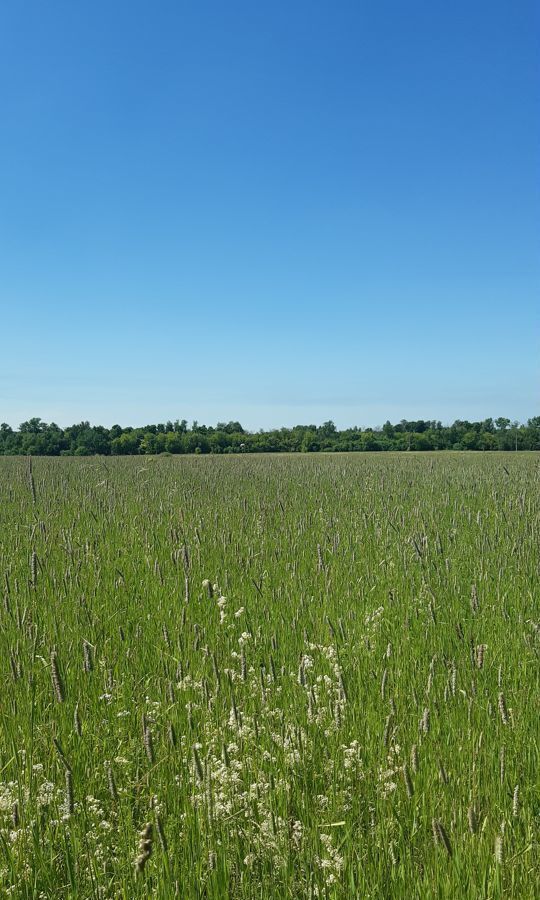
309, 676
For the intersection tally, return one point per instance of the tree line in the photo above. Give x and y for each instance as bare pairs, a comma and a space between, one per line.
38, 438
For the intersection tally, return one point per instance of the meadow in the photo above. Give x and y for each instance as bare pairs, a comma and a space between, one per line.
294, 676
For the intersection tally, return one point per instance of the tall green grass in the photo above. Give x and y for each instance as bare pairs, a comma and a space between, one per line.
270, 677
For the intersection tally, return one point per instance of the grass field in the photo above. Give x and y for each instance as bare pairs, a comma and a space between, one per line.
270, 676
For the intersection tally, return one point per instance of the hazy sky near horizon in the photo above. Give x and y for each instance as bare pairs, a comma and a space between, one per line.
278, 212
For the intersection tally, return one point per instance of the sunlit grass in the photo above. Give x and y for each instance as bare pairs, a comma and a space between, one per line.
304, 676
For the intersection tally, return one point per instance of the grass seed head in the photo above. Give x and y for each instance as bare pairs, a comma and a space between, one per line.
408, 781
515, 802
503, 709
56, 679
499, 849
69, 804
440, 835
144, 848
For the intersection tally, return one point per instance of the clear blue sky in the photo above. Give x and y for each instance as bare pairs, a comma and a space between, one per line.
277, 212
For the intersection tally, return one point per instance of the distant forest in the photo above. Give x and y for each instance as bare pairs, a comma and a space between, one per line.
38, 438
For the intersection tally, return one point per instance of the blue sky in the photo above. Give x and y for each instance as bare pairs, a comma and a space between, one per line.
274, 212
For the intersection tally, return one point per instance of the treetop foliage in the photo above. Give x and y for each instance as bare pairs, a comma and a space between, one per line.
38, 438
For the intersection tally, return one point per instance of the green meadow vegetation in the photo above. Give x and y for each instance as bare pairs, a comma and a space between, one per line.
255, 676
